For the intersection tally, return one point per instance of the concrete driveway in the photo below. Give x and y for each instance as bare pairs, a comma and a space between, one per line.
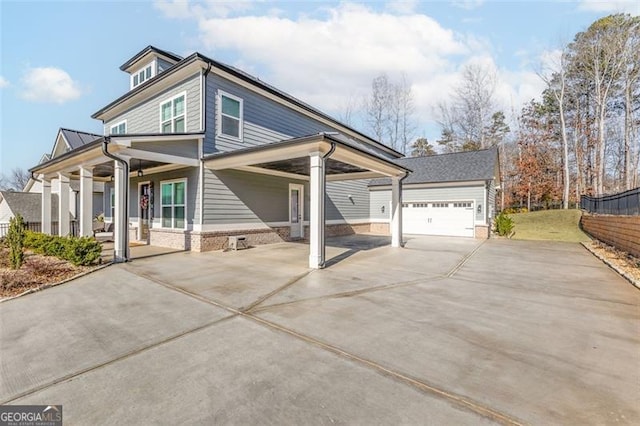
445, 331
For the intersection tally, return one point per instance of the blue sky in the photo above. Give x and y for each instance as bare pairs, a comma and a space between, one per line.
59, 61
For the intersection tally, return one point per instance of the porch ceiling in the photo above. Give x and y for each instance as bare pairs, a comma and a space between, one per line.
291, 158
301, 166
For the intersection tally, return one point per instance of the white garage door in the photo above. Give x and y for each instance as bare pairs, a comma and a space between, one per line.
438, 218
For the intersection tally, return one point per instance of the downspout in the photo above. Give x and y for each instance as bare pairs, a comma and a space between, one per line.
203, 111
125, 168
324, 194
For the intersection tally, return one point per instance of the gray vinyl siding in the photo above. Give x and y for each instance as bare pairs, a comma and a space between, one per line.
145, 117
186, 148
193, 186
339, 206
98, 203
492, 199
240, 197
381, 198
264, 120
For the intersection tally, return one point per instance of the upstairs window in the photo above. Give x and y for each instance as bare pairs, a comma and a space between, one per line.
172, 115
118, 128
230, 116
141, 76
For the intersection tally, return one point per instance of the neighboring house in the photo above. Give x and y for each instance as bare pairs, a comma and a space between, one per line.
65, 141
448, 194
27, 205
197, 151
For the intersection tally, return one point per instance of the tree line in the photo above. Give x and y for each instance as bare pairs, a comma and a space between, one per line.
580, 137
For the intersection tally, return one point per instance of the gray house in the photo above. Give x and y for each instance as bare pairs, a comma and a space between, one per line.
197, 151
448, 194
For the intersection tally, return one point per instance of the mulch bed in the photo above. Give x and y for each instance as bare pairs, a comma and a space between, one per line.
625, 264
37, 271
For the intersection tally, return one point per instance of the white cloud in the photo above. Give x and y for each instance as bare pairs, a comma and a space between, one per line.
402, 6
326, 58
626, 6
49, 84
3, 82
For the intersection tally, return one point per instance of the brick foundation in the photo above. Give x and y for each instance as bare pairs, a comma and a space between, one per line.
622, 232
482, 232
379, 228
218, 240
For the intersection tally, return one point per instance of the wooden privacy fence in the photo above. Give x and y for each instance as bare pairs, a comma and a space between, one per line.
625, 203
37, 227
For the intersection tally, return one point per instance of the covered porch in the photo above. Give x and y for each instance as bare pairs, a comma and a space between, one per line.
317, 159
115, 160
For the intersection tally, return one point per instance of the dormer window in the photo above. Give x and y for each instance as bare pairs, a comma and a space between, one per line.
139, 77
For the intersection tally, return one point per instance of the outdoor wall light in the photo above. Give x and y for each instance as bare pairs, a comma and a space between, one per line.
479, 208
382, 209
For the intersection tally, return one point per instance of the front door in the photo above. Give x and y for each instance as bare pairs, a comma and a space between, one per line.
296, 210
144, 198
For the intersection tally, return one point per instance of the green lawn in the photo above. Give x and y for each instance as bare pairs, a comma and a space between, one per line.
554, 225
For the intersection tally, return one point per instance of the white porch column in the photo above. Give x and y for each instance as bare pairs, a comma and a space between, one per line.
120, 221
63, 205
45, 216
86, 202
396, 212
316, 215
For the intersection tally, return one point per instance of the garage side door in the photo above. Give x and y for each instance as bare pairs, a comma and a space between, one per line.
451, 218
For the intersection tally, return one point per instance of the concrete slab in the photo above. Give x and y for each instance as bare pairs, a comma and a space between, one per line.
538, 355
236, 279
369, 262
542, 332
238, 372
51, 334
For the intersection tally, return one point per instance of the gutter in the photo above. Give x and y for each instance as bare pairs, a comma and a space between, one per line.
125, 166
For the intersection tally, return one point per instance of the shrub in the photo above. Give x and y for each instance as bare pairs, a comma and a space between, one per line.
503, 224
36, 241
83, 251
79, 251
15, 240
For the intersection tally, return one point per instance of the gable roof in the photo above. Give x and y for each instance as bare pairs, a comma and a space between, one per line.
76, 138
147, 50
242, 75
453, 167
28, 205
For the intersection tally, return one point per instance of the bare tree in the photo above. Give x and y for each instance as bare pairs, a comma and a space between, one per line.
468, 116
390, 112
599, 53
16, 181
377, 106
556, 84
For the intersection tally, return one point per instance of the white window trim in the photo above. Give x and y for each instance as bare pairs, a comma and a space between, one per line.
171, 99
154, 72
222, 93
118, 124
186, 196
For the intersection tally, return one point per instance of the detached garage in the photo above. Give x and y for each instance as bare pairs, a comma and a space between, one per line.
448, 194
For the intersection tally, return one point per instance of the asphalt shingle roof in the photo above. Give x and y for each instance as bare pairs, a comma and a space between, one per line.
77, 138
454, 167
28, 205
